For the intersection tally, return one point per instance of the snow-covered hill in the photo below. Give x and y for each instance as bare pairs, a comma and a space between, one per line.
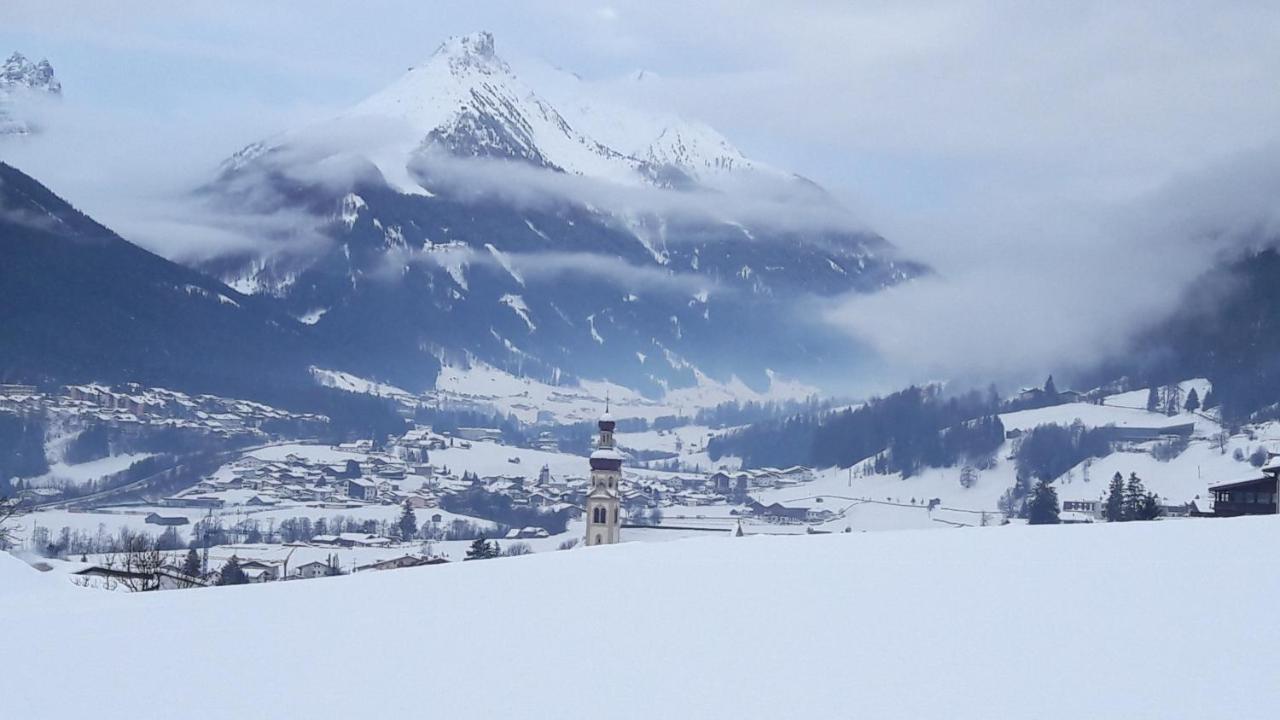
1120, 621
864, 500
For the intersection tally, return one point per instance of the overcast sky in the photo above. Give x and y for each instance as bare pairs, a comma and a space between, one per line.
1029, 151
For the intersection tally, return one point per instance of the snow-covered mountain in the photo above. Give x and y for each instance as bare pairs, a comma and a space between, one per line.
23, 82
466, 100
469, 216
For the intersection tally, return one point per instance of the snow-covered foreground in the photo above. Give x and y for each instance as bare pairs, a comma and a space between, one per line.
1169, 619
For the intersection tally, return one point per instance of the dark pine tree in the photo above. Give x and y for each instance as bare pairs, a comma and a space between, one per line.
479, 550
408, 524
1193, 401
1134, 496
1153, 399
1050, 390
1115, 500
1149, 508
232, 573
1043, 507
191, 566
1210, 400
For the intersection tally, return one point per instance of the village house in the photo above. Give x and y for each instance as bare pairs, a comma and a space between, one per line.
362, 489
311, 570
476, 434
166, 520
778, 512
1091, 509
259, 572
403, 561
1251, 496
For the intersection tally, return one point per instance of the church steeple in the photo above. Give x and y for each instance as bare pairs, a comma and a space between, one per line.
604, 499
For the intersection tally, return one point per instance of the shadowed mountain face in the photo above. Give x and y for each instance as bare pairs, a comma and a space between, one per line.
467, 217
79, 303
1226, 329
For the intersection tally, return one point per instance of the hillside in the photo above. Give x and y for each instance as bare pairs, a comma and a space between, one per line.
79, 303
865, 496
963, 624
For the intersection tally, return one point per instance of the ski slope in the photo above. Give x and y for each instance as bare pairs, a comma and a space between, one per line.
1103, 621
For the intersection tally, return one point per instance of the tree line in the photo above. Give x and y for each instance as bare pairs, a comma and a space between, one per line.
904, 432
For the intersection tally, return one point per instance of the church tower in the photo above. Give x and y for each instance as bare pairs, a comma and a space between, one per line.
604, 499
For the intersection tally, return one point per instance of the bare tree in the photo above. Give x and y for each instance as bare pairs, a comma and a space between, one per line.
1220, 439
10, 509
140, 564
517, 549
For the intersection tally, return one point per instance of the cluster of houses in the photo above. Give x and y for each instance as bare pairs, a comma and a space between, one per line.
364, 478
401, 474
136, 405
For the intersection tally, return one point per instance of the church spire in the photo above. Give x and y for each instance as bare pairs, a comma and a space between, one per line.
604, 499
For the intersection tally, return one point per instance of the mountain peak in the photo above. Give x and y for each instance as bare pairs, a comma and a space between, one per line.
474, 50
19, 72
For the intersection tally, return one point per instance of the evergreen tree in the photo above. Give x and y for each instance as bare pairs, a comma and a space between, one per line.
1134, 497
1050, 390
169, 540
1210, 400
231, 573
191, 566
1043, 507
1153, 399
480, 550
1114, 511
1193, 401
408, 523
1149, 508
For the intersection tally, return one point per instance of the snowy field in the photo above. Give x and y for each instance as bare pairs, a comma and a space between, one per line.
1137, 620
79, 474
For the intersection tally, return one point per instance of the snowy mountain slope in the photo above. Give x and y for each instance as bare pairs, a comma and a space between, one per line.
959, 624
615, 113
466, 101
528, 399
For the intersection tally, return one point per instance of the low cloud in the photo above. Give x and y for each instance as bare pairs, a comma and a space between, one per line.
1050, 289
766, 201
547, 267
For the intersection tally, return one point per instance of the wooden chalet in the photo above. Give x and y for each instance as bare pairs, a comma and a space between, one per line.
1251, 496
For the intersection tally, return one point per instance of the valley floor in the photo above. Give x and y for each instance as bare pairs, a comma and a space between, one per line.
1169, 619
